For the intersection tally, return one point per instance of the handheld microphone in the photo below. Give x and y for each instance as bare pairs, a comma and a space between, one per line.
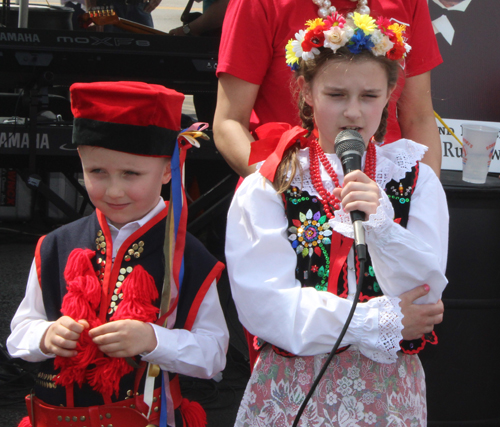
349, 147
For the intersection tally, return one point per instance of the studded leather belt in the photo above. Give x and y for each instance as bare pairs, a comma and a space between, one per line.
126, 413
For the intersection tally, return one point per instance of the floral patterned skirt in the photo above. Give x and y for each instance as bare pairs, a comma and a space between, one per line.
354, 392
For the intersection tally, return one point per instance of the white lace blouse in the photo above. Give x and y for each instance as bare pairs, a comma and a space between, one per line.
261, 261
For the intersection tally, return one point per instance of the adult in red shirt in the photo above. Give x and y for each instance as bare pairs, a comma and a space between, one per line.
255, 83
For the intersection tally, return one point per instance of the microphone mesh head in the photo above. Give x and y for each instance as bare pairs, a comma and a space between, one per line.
349, 140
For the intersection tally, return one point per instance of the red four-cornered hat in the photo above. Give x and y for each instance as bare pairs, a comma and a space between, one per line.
132, 117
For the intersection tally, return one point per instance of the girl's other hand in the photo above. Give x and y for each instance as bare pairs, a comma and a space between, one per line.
419, 319
359, 193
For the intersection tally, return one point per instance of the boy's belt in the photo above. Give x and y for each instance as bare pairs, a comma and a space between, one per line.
126, 413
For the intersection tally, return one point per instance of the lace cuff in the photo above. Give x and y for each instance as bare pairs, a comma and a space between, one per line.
384, 346
377, 222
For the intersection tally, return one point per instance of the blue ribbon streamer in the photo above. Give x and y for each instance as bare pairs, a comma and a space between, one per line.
176, 200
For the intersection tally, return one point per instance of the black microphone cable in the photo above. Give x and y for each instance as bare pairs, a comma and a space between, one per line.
349, 148
336, 346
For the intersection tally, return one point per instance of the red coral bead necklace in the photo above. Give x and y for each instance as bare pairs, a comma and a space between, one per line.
328, 200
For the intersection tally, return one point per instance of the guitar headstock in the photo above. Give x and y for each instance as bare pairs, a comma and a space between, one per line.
101, 16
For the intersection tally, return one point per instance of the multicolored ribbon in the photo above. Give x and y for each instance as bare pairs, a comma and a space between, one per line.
175, 235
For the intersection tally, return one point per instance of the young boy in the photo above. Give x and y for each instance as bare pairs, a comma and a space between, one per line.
118, 296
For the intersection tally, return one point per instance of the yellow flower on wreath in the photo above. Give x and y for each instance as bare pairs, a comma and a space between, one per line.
311, 24
398, 30
291, 58
365, 23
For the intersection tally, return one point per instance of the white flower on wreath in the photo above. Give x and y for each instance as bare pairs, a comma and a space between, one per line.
376, 36
382, 47
297, 43
370, 418
402, 371
337, 37
311, 54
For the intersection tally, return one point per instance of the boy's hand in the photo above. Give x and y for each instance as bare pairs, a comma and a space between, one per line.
419, 319
124, 338
359, 193
61, 337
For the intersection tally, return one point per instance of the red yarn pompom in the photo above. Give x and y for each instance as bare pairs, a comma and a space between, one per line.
139, 292
193, 414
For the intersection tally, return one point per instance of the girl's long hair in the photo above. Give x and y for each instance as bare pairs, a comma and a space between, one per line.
289, 165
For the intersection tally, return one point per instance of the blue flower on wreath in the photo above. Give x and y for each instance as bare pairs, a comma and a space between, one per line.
359, 41
309, 233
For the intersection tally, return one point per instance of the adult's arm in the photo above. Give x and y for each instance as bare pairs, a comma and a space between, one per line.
152, 5
416, 118
235, 101
211, 19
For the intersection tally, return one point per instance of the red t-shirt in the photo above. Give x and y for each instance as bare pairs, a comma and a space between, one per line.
255, 33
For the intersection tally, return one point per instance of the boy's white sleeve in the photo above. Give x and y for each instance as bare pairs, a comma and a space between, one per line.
29, 323
200, 352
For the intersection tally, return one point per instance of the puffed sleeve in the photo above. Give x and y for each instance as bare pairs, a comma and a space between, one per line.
272, 304
406, 258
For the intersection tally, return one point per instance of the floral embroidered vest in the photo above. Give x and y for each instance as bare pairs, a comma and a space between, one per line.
314, 242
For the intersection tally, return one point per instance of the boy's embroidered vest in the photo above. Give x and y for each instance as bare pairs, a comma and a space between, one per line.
143, 248
312, 238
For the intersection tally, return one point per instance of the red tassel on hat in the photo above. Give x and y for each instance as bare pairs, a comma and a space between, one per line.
193, 414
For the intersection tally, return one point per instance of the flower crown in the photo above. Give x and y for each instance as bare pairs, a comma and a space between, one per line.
357, 33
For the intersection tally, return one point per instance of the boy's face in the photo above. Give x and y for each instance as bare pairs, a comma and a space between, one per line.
124, 187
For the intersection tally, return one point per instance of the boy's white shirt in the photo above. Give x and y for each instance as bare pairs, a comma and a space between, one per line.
199, 352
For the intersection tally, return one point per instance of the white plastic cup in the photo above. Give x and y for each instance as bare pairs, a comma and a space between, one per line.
479, 144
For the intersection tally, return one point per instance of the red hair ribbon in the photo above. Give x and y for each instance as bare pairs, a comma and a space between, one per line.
274, 140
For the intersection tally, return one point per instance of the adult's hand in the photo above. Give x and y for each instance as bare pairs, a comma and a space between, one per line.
177, 32
152, 5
